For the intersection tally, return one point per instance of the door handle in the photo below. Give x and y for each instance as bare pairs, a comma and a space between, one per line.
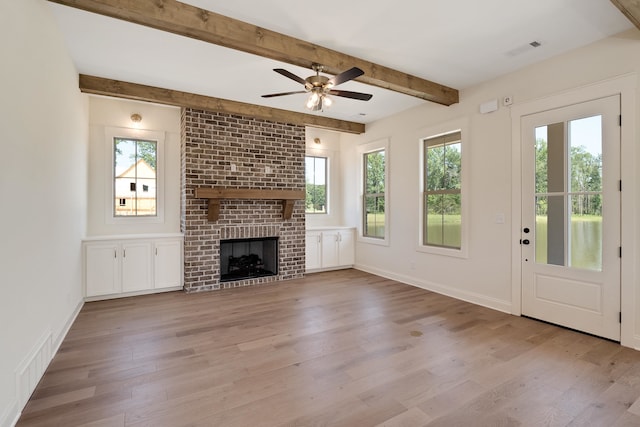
524, 241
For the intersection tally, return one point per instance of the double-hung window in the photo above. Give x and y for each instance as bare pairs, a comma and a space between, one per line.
316, 185
135, 177
374, 194
442, 194
135, 184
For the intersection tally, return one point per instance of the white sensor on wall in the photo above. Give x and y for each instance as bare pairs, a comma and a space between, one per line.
489, 106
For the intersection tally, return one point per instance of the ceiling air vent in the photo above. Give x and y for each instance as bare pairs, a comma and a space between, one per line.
524, 48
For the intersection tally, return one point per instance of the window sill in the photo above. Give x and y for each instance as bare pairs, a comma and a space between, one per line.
373, 241
450, 252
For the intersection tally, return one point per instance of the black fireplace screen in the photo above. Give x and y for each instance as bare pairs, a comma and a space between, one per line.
248, 258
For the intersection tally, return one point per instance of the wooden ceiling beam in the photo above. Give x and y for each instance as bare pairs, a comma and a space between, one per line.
189, 21
630, 9
100, 86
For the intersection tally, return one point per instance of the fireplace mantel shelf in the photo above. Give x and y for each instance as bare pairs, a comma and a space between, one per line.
214, 195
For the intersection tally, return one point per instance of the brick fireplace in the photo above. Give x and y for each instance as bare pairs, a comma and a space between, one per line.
229, 151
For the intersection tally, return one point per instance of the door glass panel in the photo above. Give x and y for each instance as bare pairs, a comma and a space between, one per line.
585, 138
586, 232
541, 229
569, 193
550, 230
585, 165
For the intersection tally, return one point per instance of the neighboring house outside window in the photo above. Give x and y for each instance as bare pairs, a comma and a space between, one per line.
316, 185
135, 177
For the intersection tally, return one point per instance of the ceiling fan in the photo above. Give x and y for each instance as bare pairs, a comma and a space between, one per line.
320, 87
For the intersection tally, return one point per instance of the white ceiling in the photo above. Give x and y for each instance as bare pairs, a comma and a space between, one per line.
454, 43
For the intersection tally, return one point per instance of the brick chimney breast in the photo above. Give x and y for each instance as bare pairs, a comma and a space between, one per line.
231, 151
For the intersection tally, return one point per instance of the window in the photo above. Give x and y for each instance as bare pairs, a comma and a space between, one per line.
374, 206
442, 196
135, 177
316, 184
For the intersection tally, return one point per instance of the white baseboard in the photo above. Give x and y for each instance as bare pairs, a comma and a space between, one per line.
61, 336
320, 270
32, 367
472, 297
10, 416
133, 293
30, 371
635, 344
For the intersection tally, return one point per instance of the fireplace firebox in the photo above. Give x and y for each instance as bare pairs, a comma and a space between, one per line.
248, 258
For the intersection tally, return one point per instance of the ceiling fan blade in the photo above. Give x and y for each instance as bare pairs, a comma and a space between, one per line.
290, 75
345, 76
271, 95
353, 95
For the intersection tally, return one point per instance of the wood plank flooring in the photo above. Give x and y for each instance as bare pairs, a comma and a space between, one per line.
341, 348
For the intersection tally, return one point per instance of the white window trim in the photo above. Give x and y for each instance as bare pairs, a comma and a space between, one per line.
326, 154
148, 135
462, 126
381, 144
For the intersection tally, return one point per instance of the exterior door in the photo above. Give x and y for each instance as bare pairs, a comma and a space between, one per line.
571, 216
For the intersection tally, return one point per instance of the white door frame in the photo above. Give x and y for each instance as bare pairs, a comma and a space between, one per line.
625, 86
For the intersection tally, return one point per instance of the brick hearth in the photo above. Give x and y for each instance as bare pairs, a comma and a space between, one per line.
211, 144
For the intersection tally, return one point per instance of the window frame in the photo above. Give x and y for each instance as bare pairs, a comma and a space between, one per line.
448, 128
111, 134
326, 182
363, 150
430, 144
135, 186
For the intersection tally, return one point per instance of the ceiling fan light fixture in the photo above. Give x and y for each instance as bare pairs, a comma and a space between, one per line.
318, 101
319, 87
313, 101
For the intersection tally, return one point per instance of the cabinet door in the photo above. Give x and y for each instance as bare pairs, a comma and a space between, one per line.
168, 263
136, 266
101, 269
313, 253
346, 247
330, 241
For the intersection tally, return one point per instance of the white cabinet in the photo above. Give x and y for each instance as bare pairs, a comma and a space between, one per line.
330, 248
131, 266
346, 247
313, 251
136, 266
168, 272
101, 268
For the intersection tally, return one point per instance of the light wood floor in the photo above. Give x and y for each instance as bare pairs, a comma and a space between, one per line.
334, 349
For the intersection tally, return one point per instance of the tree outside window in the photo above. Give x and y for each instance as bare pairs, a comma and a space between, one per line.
316, 184
442, 196
374, 194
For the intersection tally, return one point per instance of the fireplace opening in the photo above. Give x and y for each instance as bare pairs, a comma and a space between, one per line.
248, 258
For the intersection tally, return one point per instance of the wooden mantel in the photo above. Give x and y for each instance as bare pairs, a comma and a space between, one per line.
214, 195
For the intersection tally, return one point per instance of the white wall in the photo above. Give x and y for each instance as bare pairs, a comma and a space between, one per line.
43, 171
329, 147
116, 113
485, 276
